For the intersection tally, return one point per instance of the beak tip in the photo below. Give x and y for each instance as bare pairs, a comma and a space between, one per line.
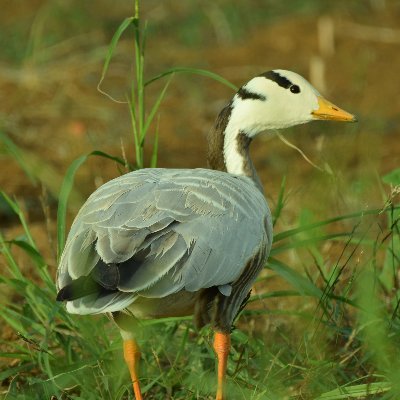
328, 111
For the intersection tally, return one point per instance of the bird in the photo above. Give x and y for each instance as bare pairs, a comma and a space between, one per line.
160, 242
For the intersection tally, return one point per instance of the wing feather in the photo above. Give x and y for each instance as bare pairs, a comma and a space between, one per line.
155, 266
197, 228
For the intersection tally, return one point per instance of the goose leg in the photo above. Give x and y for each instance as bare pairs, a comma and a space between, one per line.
132, 356
222, 345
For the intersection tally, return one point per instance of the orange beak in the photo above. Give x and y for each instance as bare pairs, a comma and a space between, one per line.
328, 111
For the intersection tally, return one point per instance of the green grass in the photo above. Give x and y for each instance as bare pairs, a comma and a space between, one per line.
342, 341
335, 317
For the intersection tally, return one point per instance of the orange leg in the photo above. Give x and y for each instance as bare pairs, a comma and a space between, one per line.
222, 345
132, 356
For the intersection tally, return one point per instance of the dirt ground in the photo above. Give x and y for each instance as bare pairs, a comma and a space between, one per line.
51, 109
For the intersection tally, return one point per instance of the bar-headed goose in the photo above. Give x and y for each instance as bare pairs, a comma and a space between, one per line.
171, 242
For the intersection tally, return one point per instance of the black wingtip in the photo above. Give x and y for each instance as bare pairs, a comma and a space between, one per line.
76, 289
62, 294
81, 287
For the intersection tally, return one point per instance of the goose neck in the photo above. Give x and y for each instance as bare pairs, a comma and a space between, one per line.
228, 148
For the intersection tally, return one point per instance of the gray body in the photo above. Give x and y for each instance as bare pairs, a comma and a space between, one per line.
168, 234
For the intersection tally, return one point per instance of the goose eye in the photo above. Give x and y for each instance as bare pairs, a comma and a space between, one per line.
294, 89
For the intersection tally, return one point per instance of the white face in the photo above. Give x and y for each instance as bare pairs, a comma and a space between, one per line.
274, 100
279, 99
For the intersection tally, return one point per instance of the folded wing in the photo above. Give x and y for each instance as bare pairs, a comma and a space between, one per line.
155, 232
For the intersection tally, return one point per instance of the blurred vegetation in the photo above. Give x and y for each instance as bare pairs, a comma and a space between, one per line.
323, 321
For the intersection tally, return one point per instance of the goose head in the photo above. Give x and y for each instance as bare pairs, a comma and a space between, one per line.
276, 99
280, 99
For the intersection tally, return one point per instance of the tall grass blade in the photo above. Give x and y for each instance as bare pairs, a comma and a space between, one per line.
307, 242
11, 263
154, 155
136, 140
63, 200
356, 391
139, 68
114, 41
16, 153
360, 214
194, 71
392, 178
156, 106
302, 284
35, 167
37, 258
17, 210
281, 201
66, 190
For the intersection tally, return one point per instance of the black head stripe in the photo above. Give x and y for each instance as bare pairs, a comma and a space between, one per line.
245, 94
279, 79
